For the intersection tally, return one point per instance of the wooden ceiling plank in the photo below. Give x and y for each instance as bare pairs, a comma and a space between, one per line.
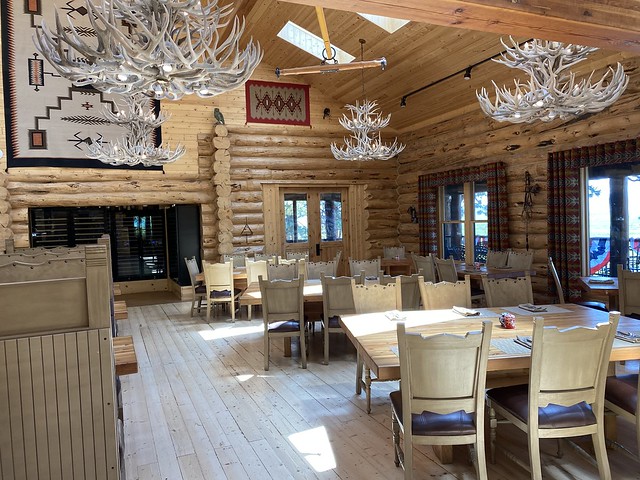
573, 25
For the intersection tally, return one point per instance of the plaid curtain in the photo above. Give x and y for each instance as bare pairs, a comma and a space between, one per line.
564, 204
496, 177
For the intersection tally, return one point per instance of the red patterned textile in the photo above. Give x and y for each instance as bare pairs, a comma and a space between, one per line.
564, 204
279, 103
496, 177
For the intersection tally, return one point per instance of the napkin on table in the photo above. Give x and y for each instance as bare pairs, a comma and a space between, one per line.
530, 307
467, 312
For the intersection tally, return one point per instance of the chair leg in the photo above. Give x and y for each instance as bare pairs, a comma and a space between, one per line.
232, 306
481, 459
358, 373
249, 312
193, 306
326, 345
303, 345
208, 308
266, 351
534, 456
600, 447
395, 430
367, 387
493, 425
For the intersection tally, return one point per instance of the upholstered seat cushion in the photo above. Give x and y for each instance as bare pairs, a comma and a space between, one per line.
429, 423
623, 392
595, 305
224, 293
281, 327
334, 322
515, 399
201, 289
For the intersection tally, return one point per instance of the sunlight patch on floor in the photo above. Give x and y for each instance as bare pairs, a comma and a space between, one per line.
315, 446
244, 378
230, 331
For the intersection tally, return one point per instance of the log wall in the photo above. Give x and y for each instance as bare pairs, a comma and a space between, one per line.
472, 139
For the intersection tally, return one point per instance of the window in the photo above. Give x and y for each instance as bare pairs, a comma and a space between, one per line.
311, 43
457, 225
391, 25
613, 212
330, 217
296, 224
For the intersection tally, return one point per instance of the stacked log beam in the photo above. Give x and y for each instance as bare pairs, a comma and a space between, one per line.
5, 211
222, 186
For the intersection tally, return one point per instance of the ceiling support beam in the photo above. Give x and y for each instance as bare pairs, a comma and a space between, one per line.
609, 27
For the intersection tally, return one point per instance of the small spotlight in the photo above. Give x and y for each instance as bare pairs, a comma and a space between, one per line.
403, 102
467, 73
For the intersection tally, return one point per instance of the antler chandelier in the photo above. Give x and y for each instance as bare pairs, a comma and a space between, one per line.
364, 142
136, 147
163, 48
552, 90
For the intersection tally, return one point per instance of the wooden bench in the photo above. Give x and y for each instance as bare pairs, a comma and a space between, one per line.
120, 310
125, 355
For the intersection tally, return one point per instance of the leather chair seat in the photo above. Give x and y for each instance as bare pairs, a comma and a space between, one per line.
281, 327
224, 293
623, 392
334, 322
201, 289
595, 305
515, 400
429, 423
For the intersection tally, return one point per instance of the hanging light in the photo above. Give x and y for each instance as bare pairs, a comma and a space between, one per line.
136, 147
552, 90
364, 142
163, 48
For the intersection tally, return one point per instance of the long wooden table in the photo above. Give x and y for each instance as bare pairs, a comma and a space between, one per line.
491, 272
606, 291
374, 336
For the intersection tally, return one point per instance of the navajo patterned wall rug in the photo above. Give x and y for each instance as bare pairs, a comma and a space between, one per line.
49, 121
281, 103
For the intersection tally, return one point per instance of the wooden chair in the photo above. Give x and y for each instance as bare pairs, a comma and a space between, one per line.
371, 268
269, 258
565, 394
425, 266
393, 252
255, 270
410, 297
497, 258
621, 397
505, 292
198, 290
629, 292
316, 269
520, 260
337, 300
286, 271
218, 279
238, 259
560, 291
369, 299
438, 296
297, 256
441, 401
283, 313
446, 268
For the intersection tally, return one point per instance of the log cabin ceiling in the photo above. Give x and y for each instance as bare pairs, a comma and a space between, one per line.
420, 54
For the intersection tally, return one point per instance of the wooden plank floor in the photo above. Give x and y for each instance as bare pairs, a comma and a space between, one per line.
202, 407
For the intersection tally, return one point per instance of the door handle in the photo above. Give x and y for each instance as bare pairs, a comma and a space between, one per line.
317, 249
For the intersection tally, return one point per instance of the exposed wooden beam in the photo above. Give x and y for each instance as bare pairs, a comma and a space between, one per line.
607, 26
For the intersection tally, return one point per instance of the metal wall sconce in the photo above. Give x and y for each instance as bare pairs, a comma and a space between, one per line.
414, 214
530, 189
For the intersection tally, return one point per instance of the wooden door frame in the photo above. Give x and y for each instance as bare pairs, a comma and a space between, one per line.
355, 223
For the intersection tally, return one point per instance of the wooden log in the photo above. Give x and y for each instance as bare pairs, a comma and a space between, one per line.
221, 131
221, 143
115, 199
73, 188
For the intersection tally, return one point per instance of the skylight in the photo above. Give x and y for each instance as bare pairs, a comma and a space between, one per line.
310, 43
389, 24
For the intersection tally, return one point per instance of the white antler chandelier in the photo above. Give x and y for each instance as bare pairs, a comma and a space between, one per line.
552, 90
136, 147
365, 143
163, 48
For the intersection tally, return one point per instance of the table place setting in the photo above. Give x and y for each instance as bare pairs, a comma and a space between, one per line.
530, 309
395, 315
466, 312
601, 281
628, 336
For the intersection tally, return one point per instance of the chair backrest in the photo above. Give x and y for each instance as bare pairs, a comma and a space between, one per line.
282, 300
497, 258
266, 257
314, 269
628, 291
375, 297
218, 276
255, 270
426, 265
520, 260
505, 292
297, 255
393, 252
286, 271
438, 296
443, 373
238, 259
192, 267
337, 296
556, 280
569, 366
446, 268
371, 268
338, 257
409, 291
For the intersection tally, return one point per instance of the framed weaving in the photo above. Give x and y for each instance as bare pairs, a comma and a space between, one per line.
49, 121
278, 103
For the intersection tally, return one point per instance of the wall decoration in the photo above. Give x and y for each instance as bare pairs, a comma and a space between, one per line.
49, 121
279, 103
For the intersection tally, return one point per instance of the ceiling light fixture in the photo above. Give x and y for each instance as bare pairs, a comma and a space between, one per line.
552, 90
136, 147
467, 73
364, 142
163, 48
332, 67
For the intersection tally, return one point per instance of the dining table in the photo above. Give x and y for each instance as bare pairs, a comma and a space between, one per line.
374, 337
605, 288
476, 273
396, 266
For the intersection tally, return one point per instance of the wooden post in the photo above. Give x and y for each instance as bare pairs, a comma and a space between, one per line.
222, 184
